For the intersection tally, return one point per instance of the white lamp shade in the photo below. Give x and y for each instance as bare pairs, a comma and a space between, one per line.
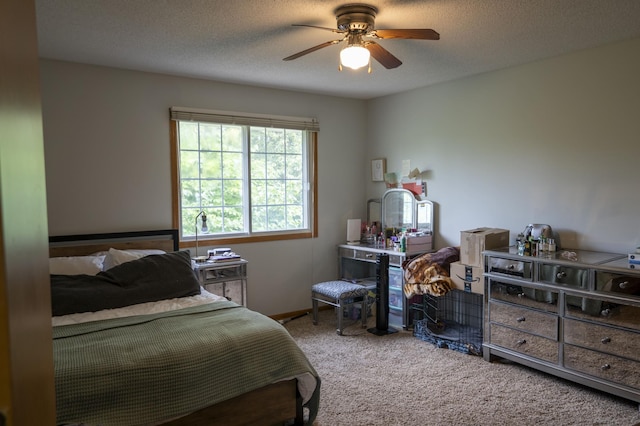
354, 57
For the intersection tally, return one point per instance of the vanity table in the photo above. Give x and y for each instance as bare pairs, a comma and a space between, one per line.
573, 313
358, 263
398, 209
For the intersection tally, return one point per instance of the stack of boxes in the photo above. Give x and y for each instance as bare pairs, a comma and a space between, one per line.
466, 274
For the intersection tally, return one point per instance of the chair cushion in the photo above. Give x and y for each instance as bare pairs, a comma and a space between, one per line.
339, 289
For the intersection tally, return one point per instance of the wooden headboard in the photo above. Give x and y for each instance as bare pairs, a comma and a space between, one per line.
84, 244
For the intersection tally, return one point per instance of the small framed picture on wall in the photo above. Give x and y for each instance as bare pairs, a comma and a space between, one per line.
378, 169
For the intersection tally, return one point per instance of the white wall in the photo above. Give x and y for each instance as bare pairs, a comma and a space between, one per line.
553, 142
106, 135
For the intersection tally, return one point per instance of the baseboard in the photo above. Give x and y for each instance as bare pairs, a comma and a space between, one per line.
296, 314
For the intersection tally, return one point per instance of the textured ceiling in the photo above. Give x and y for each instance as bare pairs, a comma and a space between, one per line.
244, 41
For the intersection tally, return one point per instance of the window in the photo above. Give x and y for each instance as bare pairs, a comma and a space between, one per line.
253, 177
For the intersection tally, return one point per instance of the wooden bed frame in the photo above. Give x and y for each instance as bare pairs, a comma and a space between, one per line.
278, 403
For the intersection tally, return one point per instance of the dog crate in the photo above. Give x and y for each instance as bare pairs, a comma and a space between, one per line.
451, 321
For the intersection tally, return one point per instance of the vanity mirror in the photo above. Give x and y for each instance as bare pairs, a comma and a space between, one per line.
401, 209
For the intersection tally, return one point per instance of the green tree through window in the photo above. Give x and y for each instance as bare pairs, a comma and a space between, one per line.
249, 180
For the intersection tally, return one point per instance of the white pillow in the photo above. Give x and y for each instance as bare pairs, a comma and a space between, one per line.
76, 265
116, 257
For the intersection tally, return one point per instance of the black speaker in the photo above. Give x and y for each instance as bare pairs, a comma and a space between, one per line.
382, 297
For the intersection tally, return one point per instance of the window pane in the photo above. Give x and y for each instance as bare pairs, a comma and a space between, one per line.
189, 164
275, 140
210, 165
233, 193
233, 219
294, 142
190, 193
211, 194
259, 219
188, 135
214, 220
294, 192
232, 165
295, 218
276, 218
276, 166
258, 166
232, 138
294, 167
258, 139
275, 192
210, 137
258, 192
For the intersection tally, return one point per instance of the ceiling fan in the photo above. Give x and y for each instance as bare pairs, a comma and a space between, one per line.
356, 23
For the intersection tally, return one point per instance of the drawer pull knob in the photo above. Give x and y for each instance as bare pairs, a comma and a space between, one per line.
605, 367
521, 342
511, 267
624, 285
606, 340
561, 275
521, 295
520, 319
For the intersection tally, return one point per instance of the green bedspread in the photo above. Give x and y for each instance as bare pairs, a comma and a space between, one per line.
145, 369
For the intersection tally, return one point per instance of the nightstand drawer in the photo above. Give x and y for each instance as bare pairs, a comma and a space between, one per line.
525, 343
604, 366
604, 339
221, 274
540, 323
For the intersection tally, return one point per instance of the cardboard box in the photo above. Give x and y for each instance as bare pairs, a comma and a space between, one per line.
467, 278
474, 241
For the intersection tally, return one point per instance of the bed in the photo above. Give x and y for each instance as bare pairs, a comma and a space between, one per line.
137, 341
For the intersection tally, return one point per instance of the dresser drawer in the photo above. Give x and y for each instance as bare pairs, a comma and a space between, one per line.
509, 267
621, 284
365, 255
525, 296
370, 256
604, 366
605, 313
524, 319
604, 339
561, 274
525, 343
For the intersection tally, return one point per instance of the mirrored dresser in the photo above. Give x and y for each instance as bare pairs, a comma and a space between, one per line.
572, 313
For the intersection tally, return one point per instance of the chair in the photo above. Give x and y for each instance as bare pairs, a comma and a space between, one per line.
340, 294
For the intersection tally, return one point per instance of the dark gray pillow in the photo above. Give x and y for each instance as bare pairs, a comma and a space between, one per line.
149, 279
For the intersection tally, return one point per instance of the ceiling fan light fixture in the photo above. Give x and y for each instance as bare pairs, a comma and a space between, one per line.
354, 57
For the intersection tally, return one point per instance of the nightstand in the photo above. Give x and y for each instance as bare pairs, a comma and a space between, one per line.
227, 279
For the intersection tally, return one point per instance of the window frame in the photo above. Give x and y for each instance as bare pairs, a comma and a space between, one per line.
312, 166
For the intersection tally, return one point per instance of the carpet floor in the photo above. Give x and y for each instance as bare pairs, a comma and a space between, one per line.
398, 379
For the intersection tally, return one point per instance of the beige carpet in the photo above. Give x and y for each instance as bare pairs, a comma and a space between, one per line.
398, 379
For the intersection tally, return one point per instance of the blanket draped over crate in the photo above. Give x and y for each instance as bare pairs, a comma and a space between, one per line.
429, 273
185, 357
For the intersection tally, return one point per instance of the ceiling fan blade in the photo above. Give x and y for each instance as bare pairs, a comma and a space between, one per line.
382, 55
333, 30
311, 49
416, 34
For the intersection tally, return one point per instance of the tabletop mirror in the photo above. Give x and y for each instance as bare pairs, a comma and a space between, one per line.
401, 209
